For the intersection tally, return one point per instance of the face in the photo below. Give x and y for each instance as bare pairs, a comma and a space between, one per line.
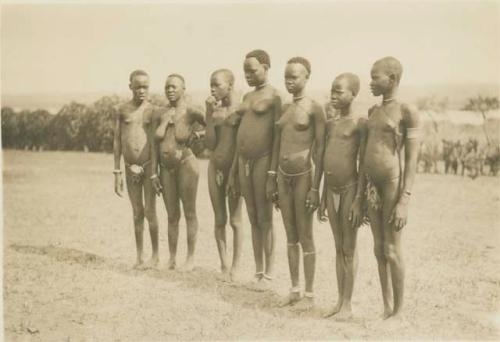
139, 87
174, 89
341, 96
296, 77
381, 81
219, 86
255, 73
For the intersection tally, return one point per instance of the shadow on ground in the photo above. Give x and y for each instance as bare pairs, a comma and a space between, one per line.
235, 293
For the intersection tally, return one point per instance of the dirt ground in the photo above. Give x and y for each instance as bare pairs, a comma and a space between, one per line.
69, 248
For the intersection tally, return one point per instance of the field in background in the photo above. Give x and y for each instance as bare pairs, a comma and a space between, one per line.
68, 251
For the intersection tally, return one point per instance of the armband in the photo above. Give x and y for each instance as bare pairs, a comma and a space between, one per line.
153, 176
117, 171
271, 173
412, 133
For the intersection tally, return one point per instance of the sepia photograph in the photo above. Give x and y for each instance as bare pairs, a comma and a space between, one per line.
250, 170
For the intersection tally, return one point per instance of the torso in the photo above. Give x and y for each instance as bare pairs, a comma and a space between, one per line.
255, 134
135, 124
297, 136
384, 141
226, 129
341, 151
173, 132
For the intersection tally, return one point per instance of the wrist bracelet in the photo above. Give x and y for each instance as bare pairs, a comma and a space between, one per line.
313, 189
153, 176
117, 171
271, 173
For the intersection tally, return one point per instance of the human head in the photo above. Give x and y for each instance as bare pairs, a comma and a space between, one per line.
345, 88
386, 74
297, 73
221, 83
174, 87
139, 85
256, 64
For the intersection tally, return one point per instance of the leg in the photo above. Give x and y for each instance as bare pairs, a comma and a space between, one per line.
171, 199
150, 212
217, 198
350, 260
375, 217
334, 219
392, 245
188, 187
234, 205
264, 212
304, 222
286, 203
247, 190
135, 195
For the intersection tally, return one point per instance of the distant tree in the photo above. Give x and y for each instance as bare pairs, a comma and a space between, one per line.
35, 125
432, 104
482, 105
10, 129
64, 130
98, 126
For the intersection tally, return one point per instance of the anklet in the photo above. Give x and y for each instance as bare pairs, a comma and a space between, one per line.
268, 277
309, 294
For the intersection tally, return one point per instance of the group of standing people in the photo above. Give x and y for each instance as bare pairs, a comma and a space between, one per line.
269, 153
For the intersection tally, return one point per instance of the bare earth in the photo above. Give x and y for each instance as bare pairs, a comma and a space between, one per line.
69, 248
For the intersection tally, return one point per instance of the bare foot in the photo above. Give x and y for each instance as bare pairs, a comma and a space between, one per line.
188, 265
387, 313
333, 311
152, 263
224, 277
305, 304
139, 265
290, 299
344, 314
260, 283
235, 274
171, 264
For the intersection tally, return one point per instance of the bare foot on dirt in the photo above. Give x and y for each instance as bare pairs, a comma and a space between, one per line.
344, 314
152, 263
224, 277
387, 313
333, 311
171, 264
188, 265
303, 305
235, 274
290, 299
139, 265
259, 284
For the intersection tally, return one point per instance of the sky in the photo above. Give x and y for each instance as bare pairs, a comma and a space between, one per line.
60, 48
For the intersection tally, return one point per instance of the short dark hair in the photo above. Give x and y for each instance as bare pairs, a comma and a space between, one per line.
261, 56
228, 74
301, 60
137, 72
353, 81
178, 76
392, 66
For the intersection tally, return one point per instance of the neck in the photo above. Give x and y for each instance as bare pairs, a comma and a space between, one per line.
346, 111
262, 85
226, 102
137, 102
177, 102
299, 95
390, 96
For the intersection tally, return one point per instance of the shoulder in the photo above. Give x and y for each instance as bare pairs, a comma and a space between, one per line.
361, 123
316, 107
195, 110
410, 115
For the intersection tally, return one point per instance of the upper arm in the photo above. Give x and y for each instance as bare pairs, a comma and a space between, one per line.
197, 115
319, 121
277, 107
411, 121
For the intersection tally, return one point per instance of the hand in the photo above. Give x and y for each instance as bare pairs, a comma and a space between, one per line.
399, 215
193, 138
271, 188
118, 184
210, 103
233, 185
312, 200
157, 185
322, 215
356, 213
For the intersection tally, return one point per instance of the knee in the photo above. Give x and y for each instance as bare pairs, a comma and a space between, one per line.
220, 221
138, 216
150, 215
264, 222
307, 243
174, 218
391, 252
190, 215
235, 223
348, 253
292, 237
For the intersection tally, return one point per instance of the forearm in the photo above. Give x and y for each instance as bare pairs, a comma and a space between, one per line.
154, 156
210, 136
410, 169
318, 172
275, 152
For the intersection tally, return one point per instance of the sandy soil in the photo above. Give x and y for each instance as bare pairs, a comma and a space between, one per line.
69, 248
